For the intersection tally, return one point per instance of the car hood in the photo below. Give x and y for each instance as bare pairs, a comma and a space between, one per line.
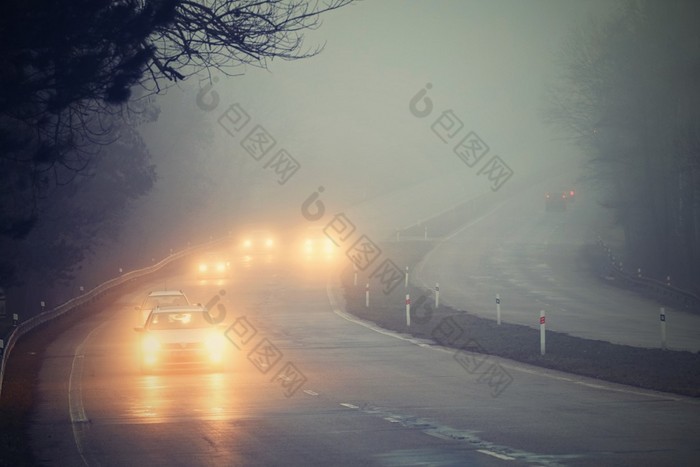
174, 336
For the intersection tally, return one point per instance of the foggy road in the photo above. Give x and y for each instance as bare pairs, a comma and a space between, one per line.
533, 259
369, 397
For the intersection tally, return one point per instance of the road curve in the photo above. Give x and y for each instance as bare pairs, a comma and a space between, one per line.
369, 397
533, 259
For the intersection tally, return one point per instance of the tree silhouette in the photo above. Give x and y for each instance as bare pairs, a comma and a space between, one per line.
75, 76
630, 98
67, 69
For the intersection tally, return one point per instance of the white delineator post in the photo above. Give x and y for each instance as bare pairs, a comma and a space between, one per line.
498, 309
15, 319
542, 321
354, 280
437, 295
662, 318
405, 281
408, 310
367, 295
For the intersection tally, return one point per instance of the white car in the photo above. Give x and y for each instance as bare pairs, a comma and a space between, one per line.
161, 298
177, 336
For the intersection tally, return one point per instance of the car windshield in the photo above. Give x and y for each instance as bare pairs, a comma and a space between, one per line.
177, 320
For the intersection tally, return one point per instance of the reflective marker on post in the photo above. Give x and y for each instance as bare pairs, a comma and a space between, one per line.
542, 321
408, 310
437, 295
662, 317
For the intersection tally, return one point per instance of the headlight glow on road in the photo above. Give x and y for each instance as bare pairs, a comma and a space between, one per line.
215, 344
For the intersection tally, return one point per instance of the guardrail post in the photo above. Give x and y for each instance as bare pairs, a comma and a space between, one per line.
662, 318
542, 332
498, 309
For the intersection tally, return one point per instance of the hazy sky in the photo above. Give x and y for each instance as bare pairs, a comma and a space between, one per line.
344, 114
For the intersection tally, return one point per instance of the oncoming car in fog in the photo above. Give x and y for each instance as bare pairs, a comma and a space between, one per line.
213, 266
315, 245
258, 241
177, 336
257, 246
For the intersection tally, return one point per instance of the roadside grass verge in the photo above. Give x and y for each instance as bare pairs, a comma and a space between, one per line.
661, 370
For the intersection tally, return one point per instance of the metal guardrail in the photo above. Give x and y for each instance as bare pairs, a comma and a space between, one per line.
659, 289
48, 315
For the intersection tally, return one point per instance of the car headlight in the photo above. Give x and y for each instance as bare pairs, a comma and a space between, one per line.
203, 267
215, 342
269, 243
150, 345
220, 267
247, 244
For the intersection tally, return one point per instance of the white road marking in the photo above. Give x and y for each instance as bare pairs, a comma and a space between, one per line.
496, 455
76, 409
310, 392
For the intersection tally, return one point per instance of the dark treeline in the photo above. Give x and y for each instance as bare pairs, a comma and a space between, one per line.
630, 95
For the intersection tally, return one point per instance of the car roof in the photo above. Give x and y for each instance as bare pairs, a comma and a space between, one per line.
177, 308
165, 293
